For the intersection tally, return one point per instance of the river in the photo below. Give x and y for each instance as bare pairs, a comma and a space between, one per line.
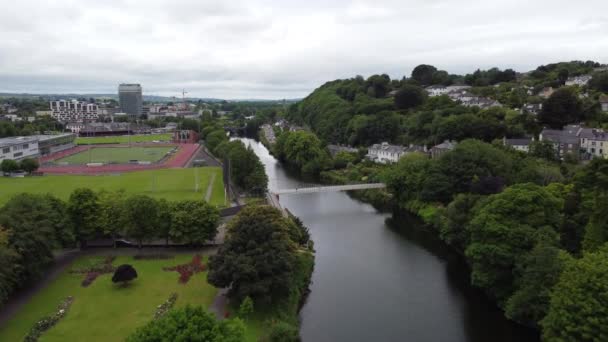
383, 279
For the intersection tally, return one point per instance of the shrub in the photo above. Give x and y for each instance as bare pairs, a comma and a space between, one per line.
48, 322
283, 332
162, 309
188, 270
124, 274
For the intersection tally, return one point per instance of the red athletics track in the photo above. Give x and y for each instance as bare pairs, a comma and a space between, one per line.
179, 159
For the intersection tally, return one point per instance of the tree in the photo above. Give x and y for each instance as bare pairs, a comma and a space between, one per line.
29, 165
502, 230
190, 323
540, 271
257, 258
543, 149
84, 212
561, 108
457, 216
578, 309
246, 307
343, 158
283, 332
193, 222
112, 212
165, 220
124, 274
29, 224
409, 96
423, 73
141, 218
9, 165
599, 82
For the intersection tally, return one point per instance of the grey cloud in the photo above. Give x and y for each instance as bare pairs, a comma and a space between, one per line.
280, 49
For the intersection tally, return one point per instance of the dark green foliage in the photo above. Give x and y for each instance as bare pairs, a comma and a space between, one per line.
561, 108
257, 258
29, 225
304, 150
489, 77
540, 271
579, 302
409, 96
141, 219
9, 165
84, 212
124, 274
283, 332
502, 230
423, 74
599, 82
543, 149
29, 165
246, 169
458, 215
190, 324
365, 130
193, 222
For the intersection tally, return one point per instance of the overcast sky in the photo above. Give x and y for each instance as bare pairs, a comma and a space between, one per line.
280, 49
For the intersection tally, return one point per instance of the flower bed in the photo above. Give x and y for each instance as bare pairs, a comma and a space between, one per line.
152, 256
48, 322
188, 270
162, 309
91, 273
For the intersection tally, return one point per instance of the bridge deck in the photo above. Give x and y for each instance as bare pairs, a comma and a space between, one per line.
333, 188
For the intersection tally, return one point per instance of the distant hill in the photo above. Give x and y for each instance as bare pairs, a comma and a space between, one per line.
150, 98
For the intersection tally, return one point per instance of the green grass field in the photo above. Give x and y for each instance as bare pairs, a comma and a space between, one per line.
123, 139
120, 155
171, 184
103, 311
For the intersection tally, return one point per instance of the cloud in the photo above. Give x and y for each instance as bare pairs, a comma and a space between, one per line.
280, 49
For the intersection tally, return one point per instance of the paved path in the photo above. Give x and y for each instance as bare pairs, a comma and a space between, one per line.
220, 304
210, 188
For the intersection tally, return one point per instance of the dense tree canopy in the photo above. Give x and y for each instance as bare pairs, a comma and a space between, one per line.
409, 96
579, 303
190, 324
561, 108
193, 222
258, 257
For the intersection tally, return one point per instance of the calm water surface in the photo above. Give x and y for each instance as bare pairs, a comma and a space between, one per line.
383, 279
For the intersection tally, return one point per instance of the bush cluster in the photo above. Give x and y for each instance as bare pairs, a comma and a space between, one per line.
48, 322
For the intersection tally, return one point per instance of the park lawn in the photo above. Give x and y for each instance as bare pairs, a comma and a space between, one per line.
103, 311
123, 139
120, 155
171, 184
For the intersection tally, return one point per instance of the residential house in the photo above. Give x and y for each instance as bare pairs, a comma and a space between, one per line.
604, 102
565, 141
520, 144
440, 149
438, 90
578, 80
385, 153
594, 143
469, 99
532, 108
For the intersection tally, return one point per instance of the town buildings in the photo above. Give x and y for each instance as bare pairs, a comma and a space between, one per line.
335, 149
73, 111
604, 102
130, 98
17, 148
520, 144
594, 142
385, 153
438, 90
578, 80
438, 150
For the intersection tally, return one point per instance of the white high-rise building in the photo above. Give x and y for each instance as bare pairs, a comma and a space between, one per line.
73, 111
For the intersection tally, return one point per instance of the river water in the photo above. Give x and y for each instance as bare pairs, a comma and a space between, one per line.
382, 279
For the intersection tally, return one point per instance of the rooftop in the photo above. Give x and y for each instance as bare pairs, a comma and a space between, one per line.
17, 140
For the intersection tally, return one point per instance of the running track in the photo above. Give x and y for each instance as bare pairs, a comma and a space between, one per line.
180, 159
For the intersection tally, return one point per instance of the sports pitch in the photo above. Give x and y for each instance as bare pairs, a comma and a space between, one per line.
116, 155
123, 139
171, 184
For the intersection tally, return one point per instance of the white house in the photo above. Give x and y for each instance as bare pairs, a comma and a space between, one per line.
604, 102
594, 142
385, 153
17, 148
520, 144
578, 80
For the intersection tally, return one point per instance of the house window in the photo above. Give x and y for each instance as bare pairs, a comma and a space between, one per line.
18, 154
6, 150
26, 146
